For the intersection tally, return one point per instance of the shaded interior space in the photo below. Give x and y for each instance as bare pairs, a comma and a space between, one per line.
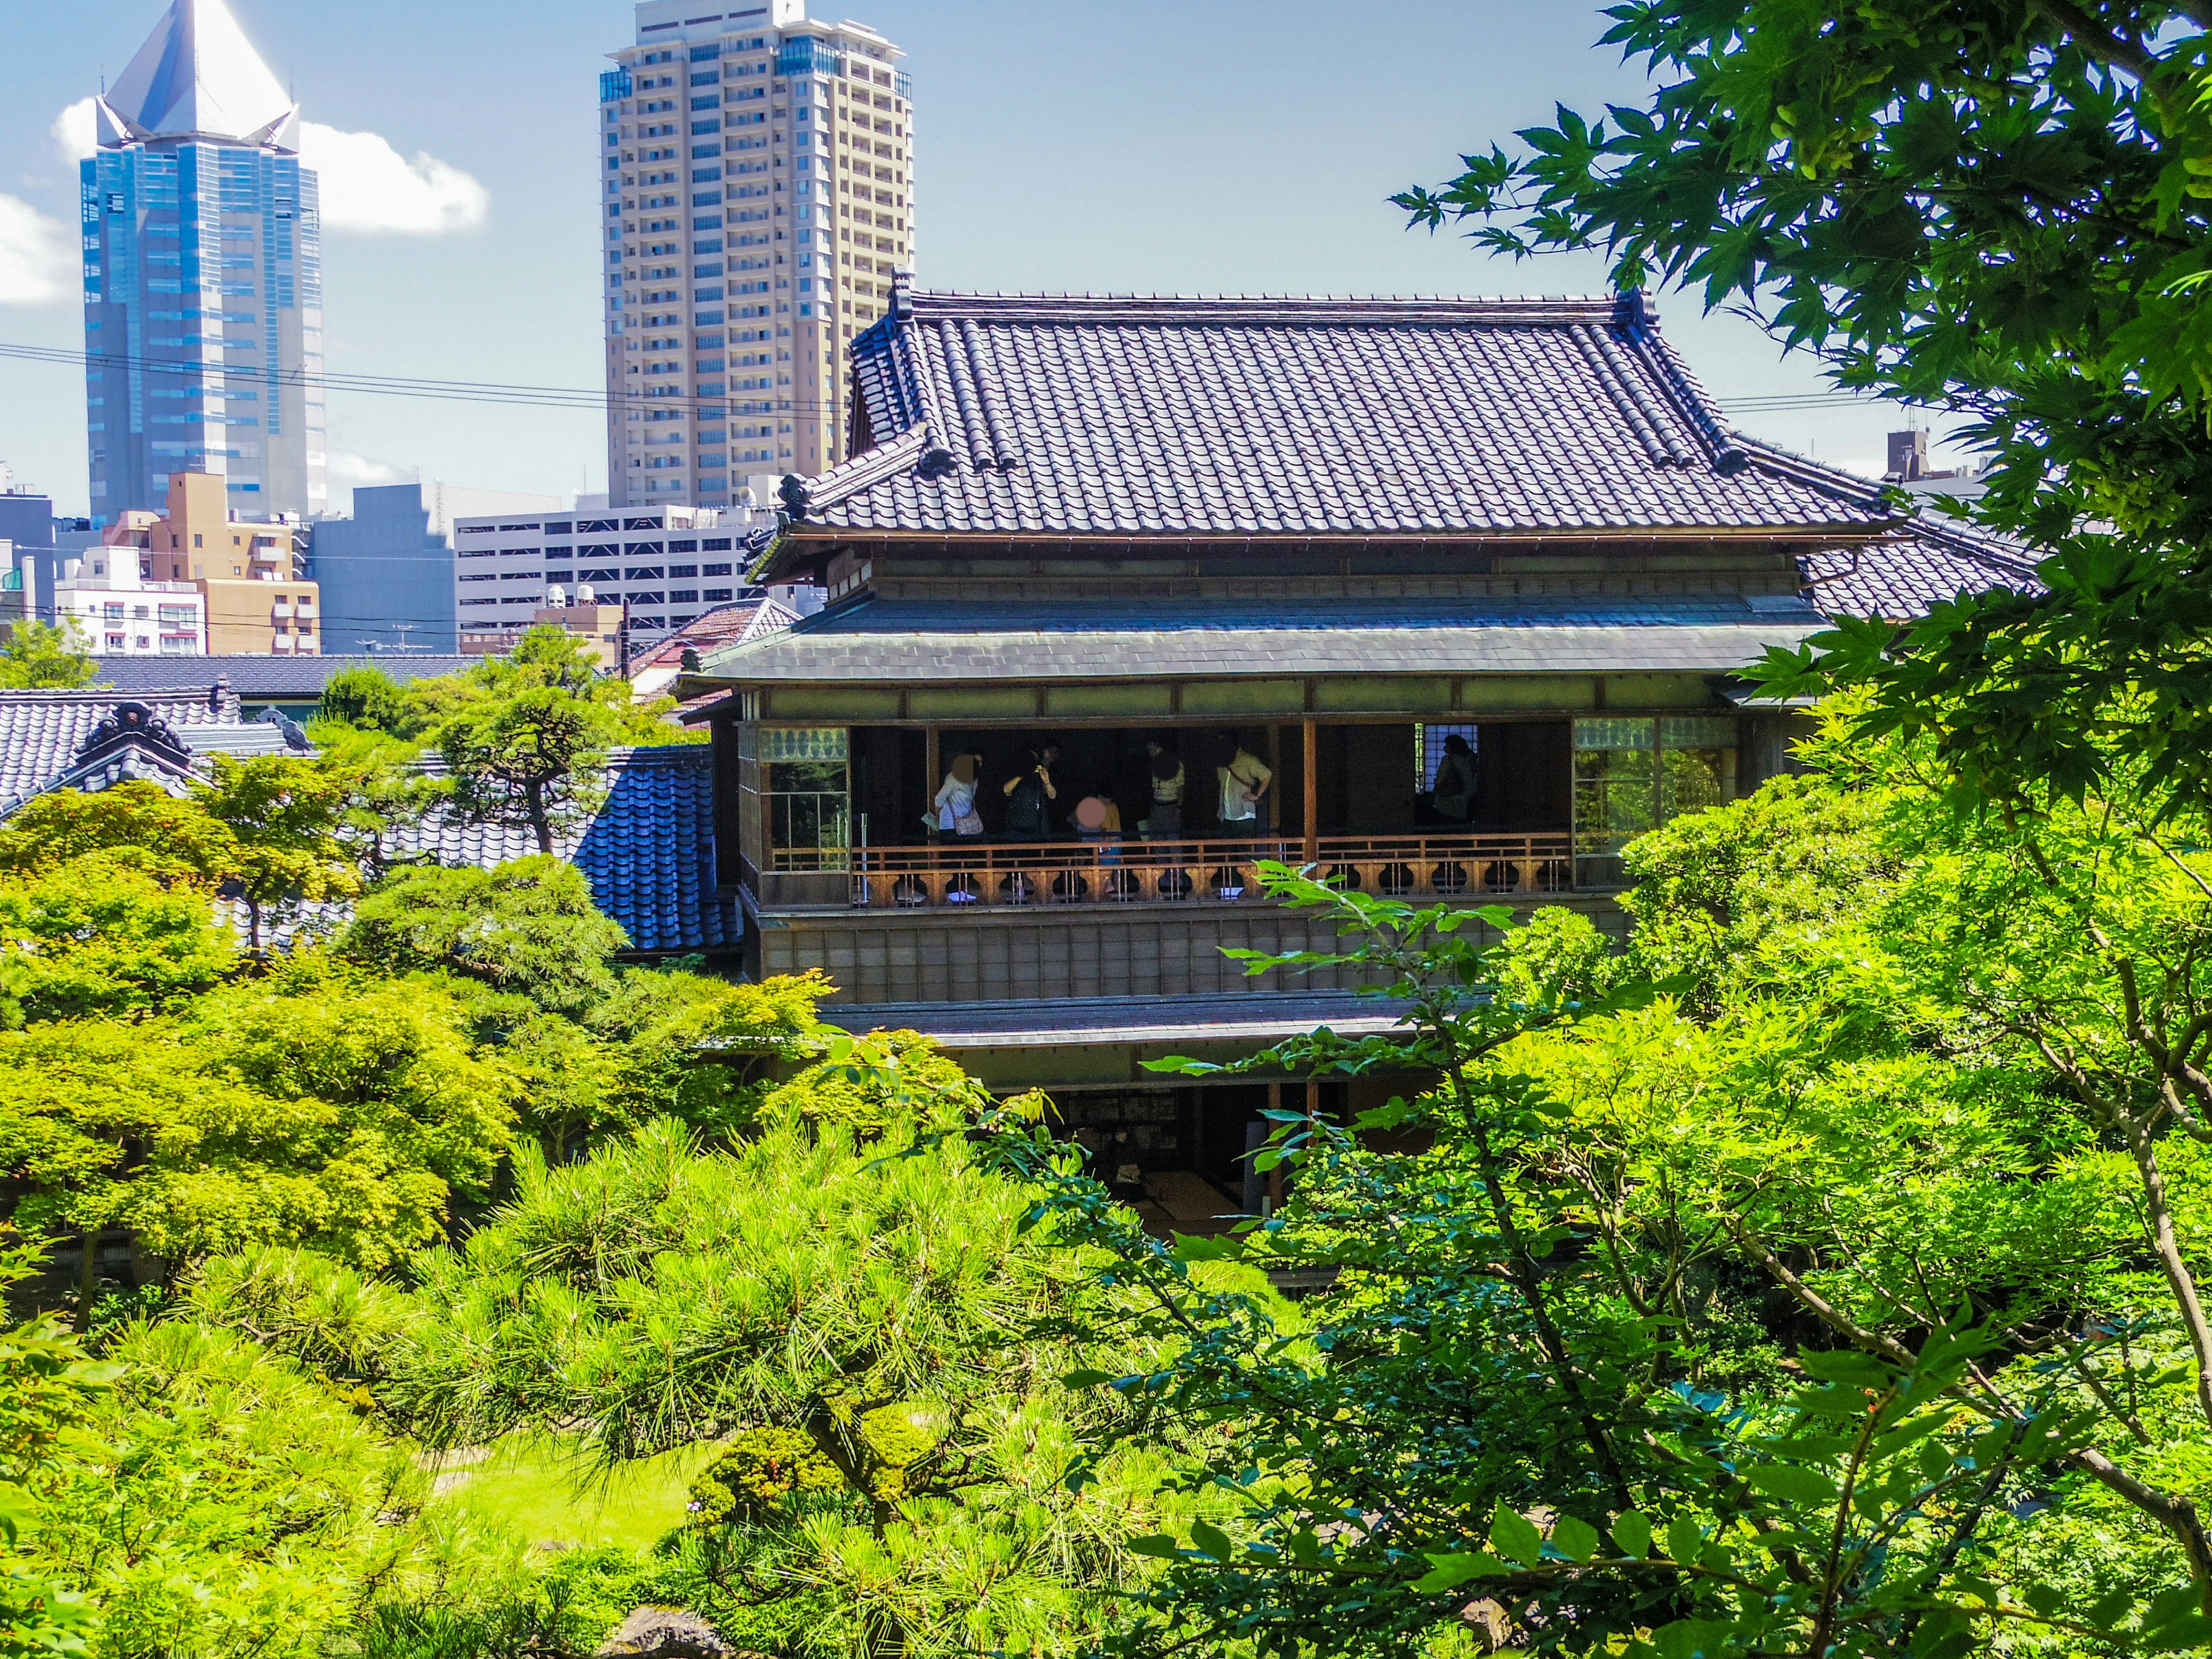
1182, 1157
1370, 779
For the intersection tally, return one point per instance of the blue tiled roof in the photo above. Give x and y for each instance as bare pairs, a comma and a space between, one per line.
1122, 416
648, 852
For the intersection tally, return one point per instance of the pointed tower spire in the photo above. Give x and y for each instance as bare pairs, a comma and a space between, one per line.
198, 77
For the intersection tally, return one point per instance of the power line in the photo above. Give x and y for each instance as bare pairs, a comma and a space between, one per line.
732, 406
516, 395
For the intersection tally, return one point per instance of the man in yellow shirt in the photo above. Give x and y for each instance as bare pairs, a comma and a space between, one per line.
1244, 784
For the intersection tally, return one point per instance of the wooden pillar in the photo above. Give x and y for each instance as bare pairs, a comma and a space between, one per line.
932, 771
1275, 1175
1311, 759
1276, 789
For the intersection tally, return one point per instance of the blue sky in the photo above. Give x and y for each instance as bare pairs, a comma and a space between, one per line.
1219, 146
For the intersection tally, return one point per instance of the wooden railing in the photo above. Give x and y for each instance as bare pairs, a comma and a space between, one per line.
1000, 874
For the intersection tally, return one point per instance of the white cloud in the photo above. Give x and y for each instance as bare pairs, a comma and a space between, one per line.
366, 184
369, 185
347, 471
76, 132
37, 262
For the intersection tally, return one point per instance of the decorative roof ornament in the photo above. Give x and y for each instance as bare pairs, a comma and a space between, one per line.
134, 725
198, 77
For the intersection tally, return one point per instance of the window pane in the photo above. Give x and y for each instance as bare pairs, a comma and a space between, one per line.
1694, 780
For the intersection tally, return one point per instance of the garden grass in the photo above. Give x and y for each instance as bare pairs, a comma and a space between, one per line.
542, 1491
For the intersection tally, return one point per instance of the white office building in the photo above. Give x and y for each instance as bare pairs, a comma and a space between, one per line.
758, 190
668, 566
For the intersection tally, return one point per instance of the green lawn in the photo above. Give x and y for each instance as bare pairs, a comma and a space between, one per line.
539, 1489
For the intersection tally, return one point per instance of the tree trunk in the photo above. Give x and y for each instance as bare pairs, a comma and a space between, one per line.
533, 795
88, 1278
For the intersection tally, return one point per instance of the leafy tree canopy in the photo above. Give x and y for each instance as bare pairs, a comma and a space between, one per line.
1997, 210
310, 1106
858, 1321
1827, 1286
40, 656
529, 927
98, 936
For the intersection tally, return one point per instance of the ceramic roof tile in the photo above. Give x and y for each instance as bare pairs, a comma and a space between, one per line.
885, 639
257, 678
1291, 416
1901, 578
42, 734
648, 852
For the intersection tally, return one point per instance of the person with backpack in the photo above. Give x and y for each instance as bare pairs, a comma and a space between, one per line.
1028, 794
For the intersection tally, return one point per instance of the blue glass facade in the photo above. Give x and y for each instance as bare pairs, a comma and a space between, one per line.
203, 324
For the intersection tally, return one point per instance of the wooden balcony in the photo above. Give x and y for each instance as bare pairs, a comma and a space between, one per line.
999, 875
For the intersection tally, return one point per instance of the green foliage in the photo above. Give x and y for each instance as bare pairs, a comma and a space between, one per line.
283, 815
1837, 1298
173, 839
529, 927
99, 936
39, 656
860, 1324
1998, 211
310, 1106
366, 699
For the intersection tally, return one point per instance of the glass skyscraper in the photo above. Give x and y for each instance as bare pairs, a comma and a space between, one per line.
202, 278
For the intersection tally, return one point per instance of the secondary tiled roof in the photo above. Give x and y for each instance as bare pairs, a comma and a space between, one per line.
914, 641
648, 852
44, 737
1128, 416
1062, 1022
1899, 578
259, 678
654, 671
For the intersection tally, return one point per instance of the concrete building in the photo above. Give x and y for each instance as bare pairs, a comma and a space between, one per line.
251, 574
598, 626
120, 610
386, 573
666, 566
759, 192
27, 573
202, 278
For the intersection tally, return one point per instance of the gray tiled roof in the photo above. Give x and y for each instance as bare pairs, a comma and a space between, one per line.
648, 852
1899, 578
916, 641
257, 678
1087, 414
42, 734
1054, 1022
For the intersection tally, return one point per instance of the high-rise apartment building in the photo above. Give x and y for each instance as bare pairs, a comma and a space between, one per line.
759, 192
202, 278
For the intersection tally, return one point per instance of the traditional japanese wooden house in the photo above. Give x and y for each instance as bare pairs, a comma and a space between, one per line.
1346, 539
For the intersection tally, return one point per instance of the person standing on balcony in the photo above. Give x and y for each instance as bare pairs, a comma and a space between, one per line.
955, 799
1166, 821
1244, 783
1027, 793
1454, 798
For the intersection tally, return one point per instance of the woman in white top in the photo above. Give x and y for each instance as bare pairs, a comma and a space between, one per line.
956, 799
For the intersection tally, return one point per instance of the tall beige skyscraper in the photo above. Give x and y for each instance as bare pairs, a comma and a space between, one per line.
759, 191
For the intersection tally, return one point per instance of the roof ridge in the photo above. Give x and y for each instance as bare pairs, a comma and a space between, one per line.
872, 466
1258, 309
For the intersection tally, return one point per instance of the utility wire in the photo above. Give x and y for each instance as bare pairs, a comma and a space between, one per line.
576, 397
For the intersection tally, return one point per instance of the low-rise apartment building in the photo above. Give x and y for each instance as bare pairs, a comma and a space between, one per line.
249, 572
